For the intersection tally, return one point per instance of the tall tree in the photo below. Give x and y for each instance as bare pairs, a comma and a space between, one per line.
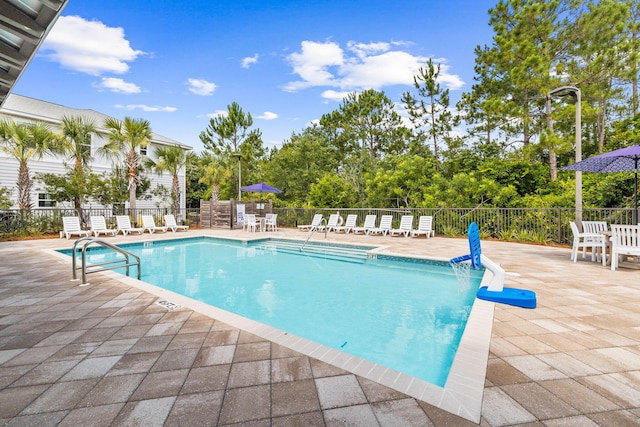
430, 113
226, 133
171, 159
77, 132
25, 142
370, 120
127, 138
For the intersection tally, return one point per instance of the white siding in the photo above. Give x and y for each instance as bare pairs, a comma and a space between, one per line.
23, 109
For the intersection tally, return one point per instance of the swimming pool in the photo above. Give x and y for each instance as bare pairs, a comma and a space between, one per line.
385, 309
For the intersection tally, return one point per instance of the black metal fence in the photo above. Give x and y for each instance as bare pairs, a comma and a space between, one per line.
534, 225
49, 221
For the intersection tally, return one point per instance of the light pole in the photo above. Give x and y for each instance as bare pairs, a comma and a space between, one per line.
239, 156
577, 96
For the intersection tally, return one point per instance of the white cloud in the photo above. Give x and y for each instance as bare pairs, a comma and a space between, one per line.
201, 87
362, 66
89, 46
215, 114
117, 85
312, 65
334, 95
147, 108
250, 60
267, 115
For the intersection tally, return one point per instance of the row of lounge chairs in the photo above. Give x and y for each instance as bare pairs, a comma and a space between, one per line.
425, 225
71, 226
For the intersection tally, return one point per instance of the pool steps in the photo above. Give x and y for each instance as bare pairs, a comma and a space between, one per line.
339, 253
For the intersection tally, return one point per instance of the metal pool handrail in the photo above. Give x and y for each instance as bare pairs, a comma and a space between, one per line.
115, 264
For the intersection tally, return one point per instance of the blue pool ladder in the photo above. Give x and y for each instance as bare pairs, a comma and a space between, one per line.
495, 291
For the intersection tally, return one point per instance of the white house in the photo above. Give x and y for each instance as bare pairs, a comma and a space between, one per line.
23, 109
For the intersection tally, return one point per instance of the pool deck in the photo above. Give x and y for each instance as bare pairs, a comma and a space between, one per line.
107, 354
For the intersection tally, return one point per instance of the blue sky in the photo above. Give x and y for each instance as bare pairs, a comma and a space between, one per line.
177, 64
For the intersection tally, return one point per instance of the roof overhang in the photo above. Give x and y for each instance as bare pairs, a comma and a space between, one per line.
23, 26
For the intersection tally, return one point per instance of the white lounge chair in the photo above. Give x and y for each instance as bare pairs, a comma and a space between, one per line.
315, 222
71, 227
369, 224
170, 222
331, 223
149, 224
406, 224
123, 224
384, 227
425, 226
625, 240
595, 241
348, 225
271, 222
99, 226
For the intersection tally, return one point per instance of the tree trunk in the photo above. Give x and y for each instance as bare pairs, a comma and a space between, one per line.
553, 160
175, 194
24, 185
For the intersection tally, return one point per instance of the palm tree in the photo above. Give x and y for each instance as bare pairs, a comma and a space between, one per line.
214, 171
77, 132
170, 159
129, 136
24, 142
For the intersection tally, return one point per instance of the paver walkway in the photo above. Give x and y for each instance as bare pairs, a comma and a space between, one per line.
106, 354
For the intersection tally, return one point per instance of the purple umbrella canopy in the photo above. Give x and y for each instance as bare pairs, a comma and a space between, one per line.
260, 187
623, 160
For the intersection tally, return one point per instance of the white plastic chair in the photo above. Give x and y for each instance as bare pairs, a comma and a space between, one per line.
71, 227
250, 223
315, 222
384, 227
625, 240
406, 224
149, 224
270, 222
349, 224
99, 226
595, 241
123, 224
369, 224
425, 226
170, 222
331, 223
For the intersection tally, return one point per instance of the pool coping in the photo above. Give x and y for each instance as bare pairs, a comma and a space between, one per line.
463, 392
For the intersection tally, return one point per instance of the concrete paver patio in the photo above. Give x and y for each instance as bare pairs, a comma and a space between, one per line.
106, 354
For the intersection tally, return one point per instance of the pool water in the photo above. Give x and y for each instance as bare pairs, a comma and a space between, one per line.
405, 314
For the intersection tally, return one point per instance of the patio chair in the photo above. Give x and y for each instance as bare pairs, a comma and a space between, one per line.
406, 224
123, 224
348, 225
170, 222
315, 222
384, 227
250, 223
270, 222
625, 240
331, 223
99, 226
425, 226
594, 241
149, 224
71, 227
369, 224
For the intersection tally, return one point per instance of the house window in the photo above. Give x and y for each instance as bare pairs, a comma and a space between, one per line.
143, 151
46, 201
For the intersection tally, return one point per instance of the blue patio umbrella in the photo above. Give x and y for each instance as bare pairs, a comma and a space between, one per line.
623, 160
260, 187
